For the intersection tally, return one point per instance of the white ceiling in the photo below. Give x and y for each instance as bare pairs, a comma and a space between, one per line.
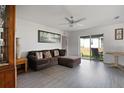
54, 15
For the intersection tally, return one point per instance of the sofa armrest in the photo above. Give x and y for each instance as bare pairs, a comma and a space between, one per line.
32, 57
32, 61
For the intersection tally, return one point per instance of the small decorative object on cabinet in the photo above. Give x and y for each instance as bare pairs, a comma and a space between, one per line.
7, 32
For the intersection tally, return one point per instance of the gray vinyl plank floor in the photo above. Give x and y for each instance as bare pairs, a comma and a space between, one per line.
88, 74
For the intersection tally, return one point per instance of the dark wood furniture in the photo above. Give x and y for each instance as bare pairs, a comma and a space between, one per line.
7, 70
22, 61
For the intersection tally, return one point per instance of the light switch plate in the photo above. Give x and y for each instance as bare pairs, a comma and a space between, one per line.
1, 29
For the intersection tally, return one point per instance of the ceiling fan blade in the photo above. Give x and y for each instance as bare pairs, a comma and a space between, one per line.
80, 20
64, 24
70, 21
79, 24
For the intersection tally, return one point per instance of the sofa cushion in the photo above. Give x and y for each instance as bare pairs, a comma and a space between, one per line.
47, 54
56, 53
43, 61
62, 52
39, 55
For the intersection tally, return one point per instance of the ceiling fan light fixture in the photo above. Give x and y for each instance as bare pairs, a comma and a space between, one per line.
71, 17
71, 25
117, 17
73, 22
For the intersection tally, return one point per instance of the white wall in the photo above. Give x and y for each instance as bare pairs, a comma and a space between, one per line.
28, 33
110, 44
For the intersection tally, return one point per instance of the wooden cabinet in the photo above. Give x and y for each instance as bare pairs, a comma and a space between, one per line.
7, 64
1, 79
7, 77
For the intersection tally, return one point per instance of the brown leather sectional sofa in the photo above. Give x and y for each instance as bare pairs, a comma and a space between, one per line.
37, 64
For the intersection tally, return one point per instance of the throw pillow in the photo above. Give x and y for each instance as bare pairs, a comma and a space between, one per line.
47, 54
39, 55
56, 53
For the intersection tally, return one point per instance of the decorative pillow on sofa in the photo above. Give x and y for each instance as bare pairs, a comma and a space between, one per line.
39, 55
47, 54
56, 53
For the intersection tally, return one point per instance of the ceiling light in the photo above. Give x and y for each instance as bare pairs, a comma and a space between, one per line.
117, 17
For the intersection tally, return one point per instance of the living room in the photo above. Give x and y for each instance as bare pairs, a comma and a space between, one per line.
57, 29
28, 23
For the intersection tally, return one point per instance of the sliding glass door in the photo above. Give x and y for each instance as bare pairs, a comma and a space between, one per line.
97, 47
85, 47
91, 47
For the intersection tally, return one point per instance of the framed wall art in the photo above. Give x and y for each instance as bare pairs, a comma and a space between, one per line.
48, 37
119, 34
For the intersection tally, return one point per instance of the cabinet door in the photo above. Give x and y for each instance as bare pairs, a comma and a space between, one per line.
1, 80
9, 79
7, 50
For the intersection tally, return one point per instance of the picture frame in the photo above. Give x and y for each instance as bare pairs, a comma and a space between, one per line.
119, 34
48, 37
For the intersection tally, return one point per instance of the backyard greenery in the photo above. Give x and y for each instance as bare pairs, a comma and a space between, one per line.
85, 53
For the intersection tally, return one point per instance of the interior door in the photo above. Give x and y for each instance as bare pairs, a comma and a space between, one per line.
64, 42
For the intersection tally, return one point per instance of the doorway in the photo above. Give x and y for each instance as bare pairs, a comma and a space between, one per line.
64, 44
91, 47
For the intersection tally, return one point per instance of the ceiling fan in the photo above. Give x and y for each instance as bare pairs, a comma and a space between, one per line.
71, 21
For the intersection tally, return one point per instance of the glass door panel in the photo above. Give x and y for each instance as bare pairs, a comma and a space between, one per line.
85, 47
3, 35
97, 47
91, 47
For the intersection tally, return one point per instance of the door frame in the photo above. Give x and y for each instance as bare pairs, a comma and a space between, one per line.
90, 36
